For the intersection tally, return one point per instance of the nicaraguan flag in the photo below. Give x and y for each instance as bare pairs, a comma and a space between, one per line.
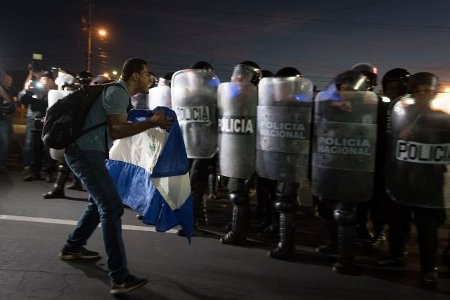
151, 173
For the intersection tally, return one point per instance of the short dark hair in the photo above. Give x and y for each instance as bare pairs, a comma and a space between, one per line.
132, 65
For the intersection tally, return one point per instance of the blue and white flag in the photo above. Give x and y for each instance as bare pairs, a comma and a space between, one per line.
151, 173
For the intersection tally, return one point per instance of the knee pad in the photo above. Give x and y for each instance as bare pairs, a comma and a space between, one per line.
344, 217
63, 168
326, 208
239, 198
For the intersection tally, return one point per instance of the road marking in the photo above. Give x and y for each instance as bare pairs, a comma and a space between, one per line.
70, 222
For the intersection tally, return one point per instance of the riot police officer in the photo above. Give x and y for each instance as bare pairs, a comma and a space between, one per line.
343, 160
282, 146
373, 208
66, 84
237, 138
160, 94
394, 84
419, 135
194, 99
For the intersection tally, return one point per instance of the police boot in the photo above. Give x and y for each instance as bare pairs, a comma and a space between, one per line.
428, 259
346, 220
29, 174
362, 223
325, 209
238, 233
198, 192
397, 253
331, 246
286, 245
58, 187
286, 206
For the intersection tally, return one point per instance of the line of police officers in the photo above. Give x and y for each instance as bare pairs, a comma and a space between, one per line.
362, 154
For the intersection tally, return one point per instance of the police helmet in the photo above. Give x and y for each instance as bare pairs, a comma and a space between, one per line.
423, 78
166, 79
399, 75
266, 73
248, 71
370, 71
100, 79
288, 72
85, 77
352, 78
202, 65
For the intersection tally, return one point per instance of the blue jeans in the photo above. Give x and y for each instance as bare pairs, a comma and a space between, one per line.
104, 207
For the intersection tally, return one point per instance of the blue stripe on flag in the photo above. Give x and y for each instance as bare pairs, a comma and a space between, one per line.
137, 190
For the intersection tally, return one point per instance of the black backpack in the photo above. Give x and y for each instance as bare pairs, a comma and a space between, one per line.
65, 119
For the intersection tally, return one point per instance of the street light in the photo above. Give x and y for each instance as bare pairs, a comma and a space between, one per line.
102, 33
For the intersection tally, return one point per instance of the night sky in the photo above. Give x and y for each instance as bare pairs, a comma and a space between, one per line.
320, 38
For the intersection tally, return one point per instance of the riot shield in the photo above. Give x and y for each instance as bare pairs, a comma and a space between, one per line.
159, 96
194, 99
344, 145
53, 96
237, 128
419, 151
283, 128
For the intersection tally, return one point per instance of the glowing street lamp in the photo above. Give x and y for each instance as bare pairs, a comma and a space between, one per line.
102, 33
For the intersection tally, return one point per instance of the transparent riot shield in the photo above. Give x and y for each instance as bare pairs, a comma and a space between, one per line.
237, 128
283, 128
53, 96
344, 145
194, 99
159, 96
419, 151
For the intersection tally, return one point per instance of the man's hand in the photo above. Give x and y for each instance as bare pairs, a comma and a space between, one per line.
159, 119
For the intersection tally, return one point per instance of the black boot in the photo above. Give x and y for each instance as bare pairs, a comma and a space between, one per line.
331, 246
397, 249
345, 218
55, 193
286, 206
428, 260
286, 246
58, 188
238, 233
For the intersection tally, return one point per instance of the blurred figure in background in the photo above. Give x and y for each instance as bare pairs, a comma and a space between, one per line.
35, 98
7, 109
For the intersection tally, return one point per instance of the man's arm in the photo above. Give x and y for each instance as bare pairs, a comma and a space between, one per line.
120, 128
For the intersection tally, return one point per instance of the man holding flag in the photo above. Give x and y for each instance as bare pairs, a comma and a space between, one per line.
86, 157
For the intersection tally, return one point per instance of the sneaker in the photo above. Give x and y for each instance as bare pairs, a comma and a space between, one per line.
68, 253
130, 283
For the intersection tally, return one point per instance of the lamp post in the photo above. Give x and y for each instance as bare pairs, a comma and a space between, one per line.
88, 27
102, 33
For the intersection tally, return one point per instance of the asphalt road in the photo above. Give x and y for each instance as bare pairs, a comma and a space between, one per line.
33, 230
